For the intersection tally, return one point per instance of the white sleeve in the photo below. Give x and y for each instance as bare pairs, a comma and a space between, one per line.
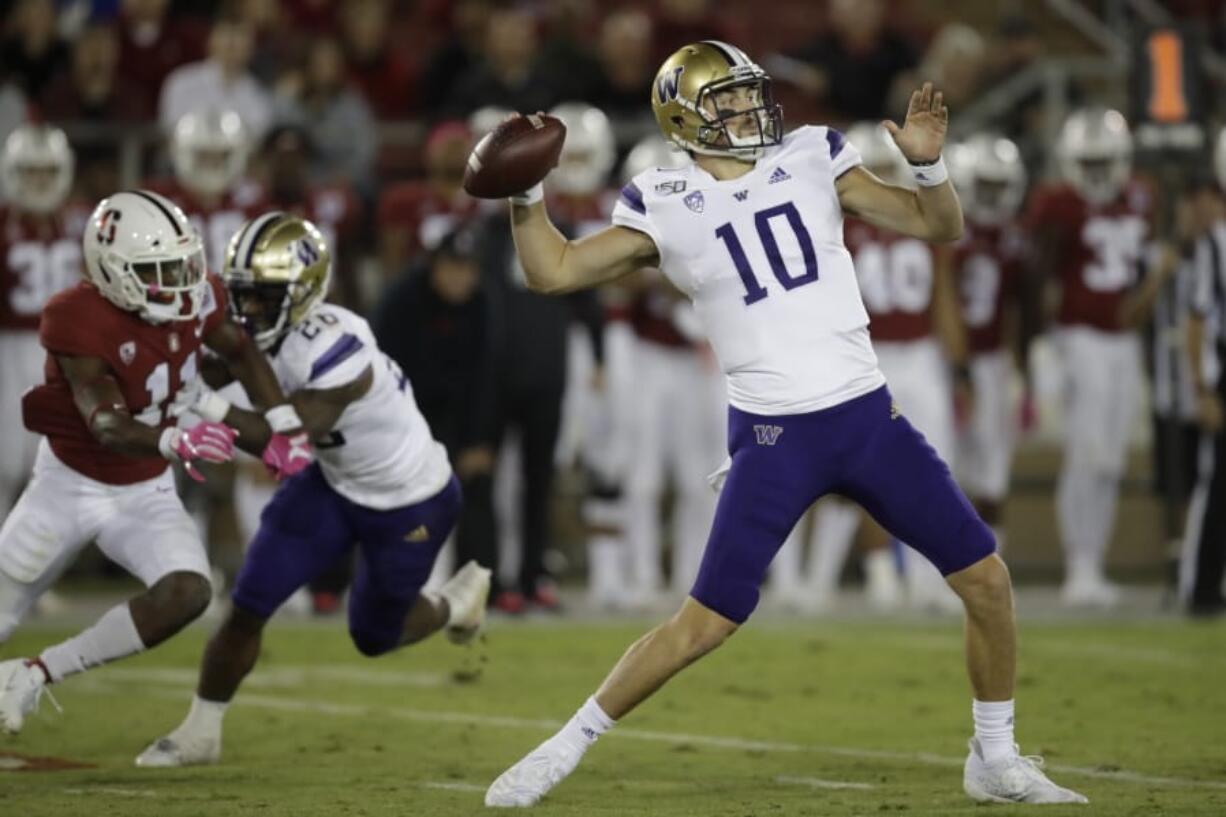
1204, 270
631, 211
329, 359
843, 154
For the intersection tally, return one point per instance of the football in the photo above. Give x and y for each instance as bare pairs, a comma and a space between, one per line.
514, 156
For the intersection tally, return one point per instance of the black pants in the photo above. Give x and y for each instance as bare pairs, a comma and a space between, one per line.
536, 413
1210, 558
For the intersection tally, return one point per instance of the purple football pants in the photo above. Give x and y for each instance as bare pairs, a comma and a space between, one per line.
863, 450
308, 527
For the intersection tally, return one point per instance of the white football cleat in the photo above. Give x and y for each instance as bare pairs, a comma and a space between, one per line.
1014, 779
22, 685
525, 783
180, 750
466, 593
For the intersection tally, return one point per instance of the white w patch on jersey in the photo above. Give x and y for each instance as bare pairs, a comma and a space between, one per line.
763, 259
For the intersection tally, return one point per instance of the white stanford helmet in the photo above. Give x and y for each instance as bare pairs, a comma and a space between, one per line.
484, 120
881, 156
36, 168
1095, 152
993, 182
589, 152
651, 152
143, 255
209, 150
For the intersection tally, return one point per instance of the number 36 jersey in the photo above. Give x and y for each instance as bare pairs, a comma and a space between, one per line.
380, 453
762, 257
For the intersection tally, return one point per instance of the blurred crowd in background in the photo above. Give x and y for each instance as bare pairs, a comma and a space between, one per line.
360, 115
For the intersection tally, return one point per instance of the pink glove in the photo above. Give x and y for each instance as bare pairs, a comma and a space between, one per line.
285, 456
208, 441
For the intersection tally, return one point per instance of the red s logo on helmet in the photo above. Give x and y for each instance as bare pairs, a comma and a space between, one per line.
106, 226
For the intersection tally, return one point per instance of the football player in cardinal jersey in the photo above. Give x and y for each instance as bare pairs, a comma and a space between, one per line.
752, 231
209, 151
120, 347
988, 261
381, 480
1091, 232
40, 254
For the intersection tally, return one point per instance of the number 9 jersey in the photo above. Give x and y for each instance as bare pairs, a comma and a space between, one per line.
762, 257
380, 452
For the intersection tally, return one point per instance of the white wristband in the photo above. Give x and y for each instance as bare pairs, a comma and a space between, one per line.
282, 418
530, 196
931, 175
212, 407
166, 443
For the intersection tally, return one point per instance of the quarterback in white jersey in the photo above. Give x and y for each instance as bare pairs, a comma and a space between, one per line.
752, 232
380, 479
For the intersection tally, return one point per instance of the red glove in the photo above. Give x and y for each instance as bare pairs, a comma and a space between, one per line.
285, 455
208, 441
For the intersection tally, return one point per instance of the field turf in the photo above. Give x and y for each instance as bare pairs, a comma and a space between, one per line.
825, 718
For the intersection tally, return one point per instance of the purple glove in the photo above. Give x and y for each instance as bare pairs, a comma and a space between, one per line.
285, 455
208, 441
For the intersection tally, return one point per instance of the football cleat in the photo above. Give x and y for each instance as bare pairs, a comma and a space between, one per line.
466, 593
1091, 592
1017, 778
525, 783
180, 750
22, 684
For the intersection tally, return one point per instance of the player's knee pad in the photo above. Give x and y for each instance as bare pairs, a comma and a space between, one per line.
374, 641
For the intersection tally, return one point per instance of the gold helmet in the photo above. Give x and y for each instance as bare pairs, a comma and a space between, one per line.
684, 102
277, 270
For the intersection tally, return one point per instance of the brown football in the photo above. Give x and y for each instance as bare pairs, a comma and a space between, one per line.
514, 156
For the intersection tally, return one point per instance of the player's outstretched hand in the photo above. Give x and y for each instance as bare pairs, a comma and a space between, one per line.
287, 454
207, 441
923, 133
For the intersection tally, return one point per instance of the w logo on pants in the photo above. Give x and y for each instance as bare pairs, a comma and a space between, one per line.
767, 435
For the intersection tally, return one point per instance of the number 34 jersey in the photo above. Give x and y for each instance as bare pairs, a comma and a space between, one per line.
380, 452
762, 257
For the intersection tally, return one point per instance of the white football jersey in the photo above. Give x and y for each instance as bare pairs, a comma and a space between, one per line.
380, 454
763, 260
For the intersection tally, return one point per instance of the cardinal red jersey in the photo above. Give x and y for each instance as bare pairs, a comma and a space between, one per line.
422, 213
896, 275
216, 221
150, 362
988, 269
1098, 249
39, 256
651, 316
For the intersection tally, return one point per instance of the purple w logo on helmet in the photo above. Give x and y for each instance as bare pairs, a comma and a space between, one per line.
666, 84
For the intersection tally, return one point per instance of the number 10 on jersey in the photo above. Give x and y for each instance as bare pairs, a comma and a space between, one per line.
754, 291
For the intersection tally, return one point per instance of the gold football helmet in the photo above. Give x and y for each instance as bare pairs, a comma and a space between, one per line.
693, 112
277, 270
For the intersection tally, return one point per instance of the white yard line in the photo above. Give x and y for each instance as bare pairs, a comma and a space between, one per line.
713, 741
89, 792
818, 783
450, 785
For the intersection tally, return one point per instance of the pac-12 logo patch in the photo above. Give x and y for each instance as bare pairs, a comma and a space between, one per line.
767, 435
127, 352
695, 201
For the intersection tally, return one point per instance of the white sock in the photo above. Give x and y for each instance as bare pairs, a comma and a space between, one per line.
112, 637
834, 530
994, 728
204, 717
588, 724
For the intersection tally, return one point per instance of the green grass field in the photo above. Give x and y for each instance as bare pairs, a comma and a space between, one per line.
828, 718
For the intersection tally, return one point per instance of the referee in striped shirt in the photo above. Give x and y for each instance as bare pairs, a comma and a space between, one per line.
1203, 564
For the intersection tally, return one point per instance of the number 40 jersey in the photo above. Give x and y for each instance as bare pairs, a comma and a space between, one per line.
380, 452
762, 257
